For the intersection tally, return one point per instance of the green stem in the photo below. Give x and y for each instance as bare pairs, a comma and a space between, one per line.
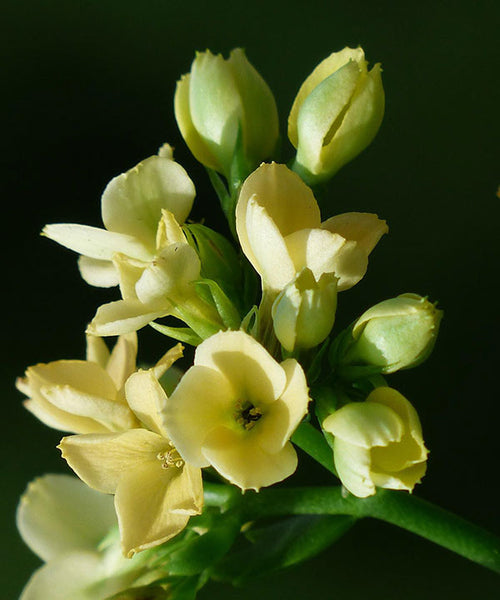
395, 507
313, 442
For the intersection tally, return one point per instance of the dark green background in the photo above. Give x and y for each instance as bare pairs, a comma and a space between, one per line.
87, 93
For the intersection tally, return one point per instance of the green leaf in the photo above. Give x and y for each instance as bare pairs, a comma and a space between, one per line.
226, 309
219, 259
198, 554
181, 334
279, 545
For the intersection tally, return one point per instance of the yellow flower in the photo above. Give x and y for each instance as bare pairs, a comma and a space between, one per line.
378, 443
155, 490
84, 396
131, 207
279, 227
236, 408
71, 528
87, 396
221, 99
336, 114
154, 289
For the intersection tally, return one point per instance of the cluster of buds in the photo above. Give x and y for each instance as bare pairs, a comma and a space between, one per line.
148, 436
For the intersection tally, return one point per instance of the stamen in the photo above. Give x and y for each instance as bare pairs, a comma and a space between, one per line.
170, 458
247, 414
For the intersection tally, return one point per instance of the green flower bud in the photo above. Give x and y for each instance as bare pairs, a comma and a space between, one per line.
336, 114
304, 312
395, 334
222, 104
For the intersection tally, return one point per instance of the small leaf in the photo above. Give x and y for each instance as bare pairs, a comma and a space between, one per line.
181, 334
279, 545
226, 309
198, 554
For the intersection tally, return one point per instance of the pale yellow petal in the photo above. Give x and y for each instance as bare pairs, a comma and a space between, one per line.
252, 371
170, 275
365, 229
114, 415
143, 507
283, 416
100, 273
353, 467
315, 249
239, 458
365, 424
129, 272
289, 202
72, 576
266, 249
86, 376
58, 514
167, 360
146, 398
101, 460
122, 362
193, 139
402, 480
132, 202
53, 417
97, 351
123, 316
95, 242
325, 68
169, 231
201, 401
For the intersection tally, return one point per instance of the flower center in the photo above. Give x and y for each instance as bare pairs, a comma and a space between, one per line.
247, 414
170, 458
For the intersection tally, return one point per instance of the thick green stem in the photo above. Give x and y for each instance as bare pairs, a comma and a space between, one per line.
396, 507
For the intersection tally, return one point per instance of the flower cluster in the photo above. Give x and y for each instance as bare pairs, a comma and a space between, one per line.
157, 438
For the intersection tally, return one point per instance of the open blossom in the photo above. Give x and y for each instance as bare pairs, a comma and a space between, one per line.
236, 408
155, 490
131, 208
157, 288
87, 396
70, 527
280, 230
378, 443
84, 396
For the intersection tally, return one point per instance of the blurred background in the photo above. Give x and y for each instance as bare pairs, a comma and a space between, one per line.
87, 93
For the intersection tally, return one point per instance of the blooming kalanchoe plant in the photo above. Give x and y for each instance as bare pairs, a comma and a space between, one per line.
271, 377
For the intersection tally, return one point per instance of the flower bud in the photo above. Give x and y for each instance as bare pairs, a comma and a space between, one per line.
336, 114
394, 334
304, 312
378, 443
223, 103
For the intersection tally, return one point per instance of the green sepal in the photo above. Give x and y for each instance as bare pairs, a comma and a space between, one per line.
182, 334
225, 199
226, 309
279, 545
249, 321
200, 553
219, 260
197, 321
315, 369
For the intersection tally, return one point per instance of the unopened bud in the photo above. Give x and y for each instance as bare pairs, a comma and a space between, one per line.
336, 114
304, 312
220, 100
395, 334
